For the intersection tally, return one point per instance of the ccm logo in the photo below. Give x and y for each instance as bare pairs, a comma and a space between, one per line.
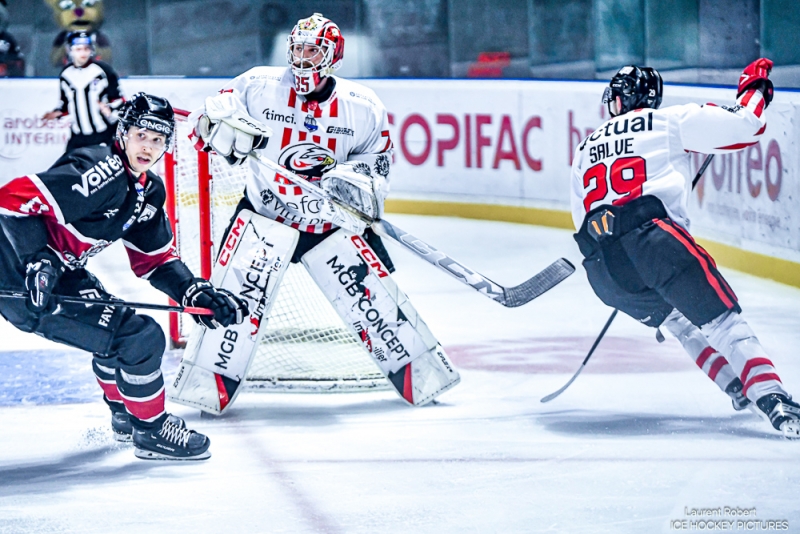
230, 243
369, 256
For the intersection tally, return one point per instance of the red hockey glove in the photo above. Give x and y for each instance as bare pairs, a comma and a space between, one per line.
756, 76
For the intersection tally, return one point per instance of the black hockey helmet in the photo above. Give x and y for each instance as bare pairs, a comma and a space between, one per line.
150, 112
636, 87
80, 37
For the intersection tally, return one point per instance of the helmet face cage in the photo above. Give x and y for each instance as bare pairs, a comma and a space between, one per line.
149, 113
315, 49
633, 88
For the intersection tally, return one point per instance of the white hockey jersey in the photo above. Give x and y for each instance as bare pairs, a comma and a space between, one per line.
647, 152
309, 138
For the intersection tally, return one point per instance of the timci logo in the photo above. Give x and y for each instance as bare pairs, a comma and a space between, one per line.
366, 253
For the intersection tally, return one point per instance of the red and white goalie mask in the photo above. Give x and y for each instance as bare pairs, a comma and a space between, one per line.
316, 49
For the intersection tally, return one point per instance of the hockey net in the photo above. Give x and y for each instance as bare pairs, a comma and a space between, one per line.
306, 346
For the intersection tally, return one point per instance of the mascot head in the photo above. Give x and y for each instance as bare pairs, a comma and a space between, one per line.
73, 15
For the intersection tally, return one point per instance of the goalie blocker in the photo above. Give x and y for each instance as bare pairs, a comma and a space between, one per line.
254, 257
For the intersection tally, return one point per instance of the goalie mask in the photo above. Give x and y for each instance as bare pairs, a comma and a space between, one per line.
316, 49
150, 113
633, 88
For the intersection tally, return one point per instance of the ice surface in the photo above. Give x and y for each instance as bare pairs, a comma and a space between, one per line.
638, 439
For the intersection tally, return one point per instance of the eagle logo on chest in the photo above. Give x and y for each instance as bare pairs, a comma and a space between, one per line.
307, 159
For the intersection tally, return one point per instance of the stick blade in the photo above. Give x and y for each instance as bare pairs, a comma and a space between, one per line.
540, 283
553, 395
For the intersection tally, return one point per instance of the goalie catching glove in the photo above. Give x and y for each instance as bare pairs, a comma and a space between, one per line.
353, 185
226, 128
228, 308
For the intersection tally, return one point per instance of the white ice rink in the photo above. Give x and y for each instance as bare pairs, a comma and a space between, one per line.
641, 437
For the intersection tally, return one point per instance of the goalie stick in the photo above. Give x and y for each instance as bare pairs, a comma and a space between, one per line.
5, 293
659, 335
510, 297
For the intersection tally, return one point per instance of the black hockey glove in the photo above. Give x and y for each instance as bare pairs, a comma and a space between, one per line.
41, 276
228, 308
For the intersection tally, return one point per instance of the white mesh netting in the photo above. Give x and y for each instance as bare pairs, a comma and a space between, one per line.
306, 345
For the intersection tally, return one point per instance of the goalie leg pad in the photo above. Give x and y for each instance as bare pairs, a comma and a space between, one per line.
361, 291
254, 257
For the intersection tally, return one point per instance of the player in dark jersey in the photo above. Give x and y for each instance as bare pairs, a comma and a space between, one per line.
54, 221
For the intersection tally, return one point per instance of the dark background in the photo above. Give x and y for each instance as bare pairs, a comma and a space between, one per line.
695, 41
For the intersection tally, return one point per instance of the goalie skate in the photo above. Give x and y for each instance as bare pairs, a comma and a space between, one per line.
251, 264
361, 291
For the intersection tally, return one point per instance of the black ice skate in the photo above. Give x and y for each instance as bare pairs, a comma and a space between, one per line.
173, 441
783, 413
734, 391
122, 427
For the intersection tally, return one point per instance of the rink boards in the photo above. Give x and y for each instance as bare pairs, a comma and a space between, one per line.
501, 149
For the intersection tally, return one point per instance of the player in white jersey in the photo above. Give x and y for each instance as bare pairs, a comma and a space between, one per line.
631, 182
319, 122
334, 133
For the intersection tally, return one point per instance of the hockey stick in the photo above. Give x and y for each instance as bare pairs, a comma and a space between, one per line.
555, 394
5, 293
511, 297
703, 168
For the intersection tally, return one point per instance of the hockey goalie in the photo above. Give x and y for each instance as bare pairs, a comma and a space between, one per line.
334, 133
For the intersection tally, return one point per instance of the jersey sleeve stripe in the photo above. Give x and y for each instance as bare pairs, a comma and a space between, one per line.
144, 263
736, 146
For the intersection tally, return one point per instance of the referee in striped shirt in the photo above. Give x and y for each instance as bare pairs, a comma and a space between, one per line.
90, 94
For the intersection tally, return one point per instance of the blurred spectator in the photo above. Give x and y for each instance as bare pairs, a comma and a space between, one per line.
12, 62
90, 94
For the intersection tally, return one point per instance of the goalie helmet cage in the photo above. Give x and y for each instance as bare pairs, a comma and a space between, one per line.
306, 346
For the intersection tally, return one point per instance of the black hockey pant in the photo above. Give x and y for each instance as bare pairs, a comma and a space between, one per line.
127, 347
645, 265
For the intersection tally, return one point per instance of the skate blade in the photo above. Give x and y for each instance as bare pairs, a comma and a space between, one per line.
791, 429
152, 455
123, 438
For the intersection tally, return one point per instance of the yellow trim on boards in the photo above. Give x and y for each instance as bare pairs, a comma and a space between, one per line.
784, 271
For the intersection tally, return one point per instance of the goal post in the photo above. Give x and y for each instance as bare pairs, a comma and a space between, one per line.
306, 346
